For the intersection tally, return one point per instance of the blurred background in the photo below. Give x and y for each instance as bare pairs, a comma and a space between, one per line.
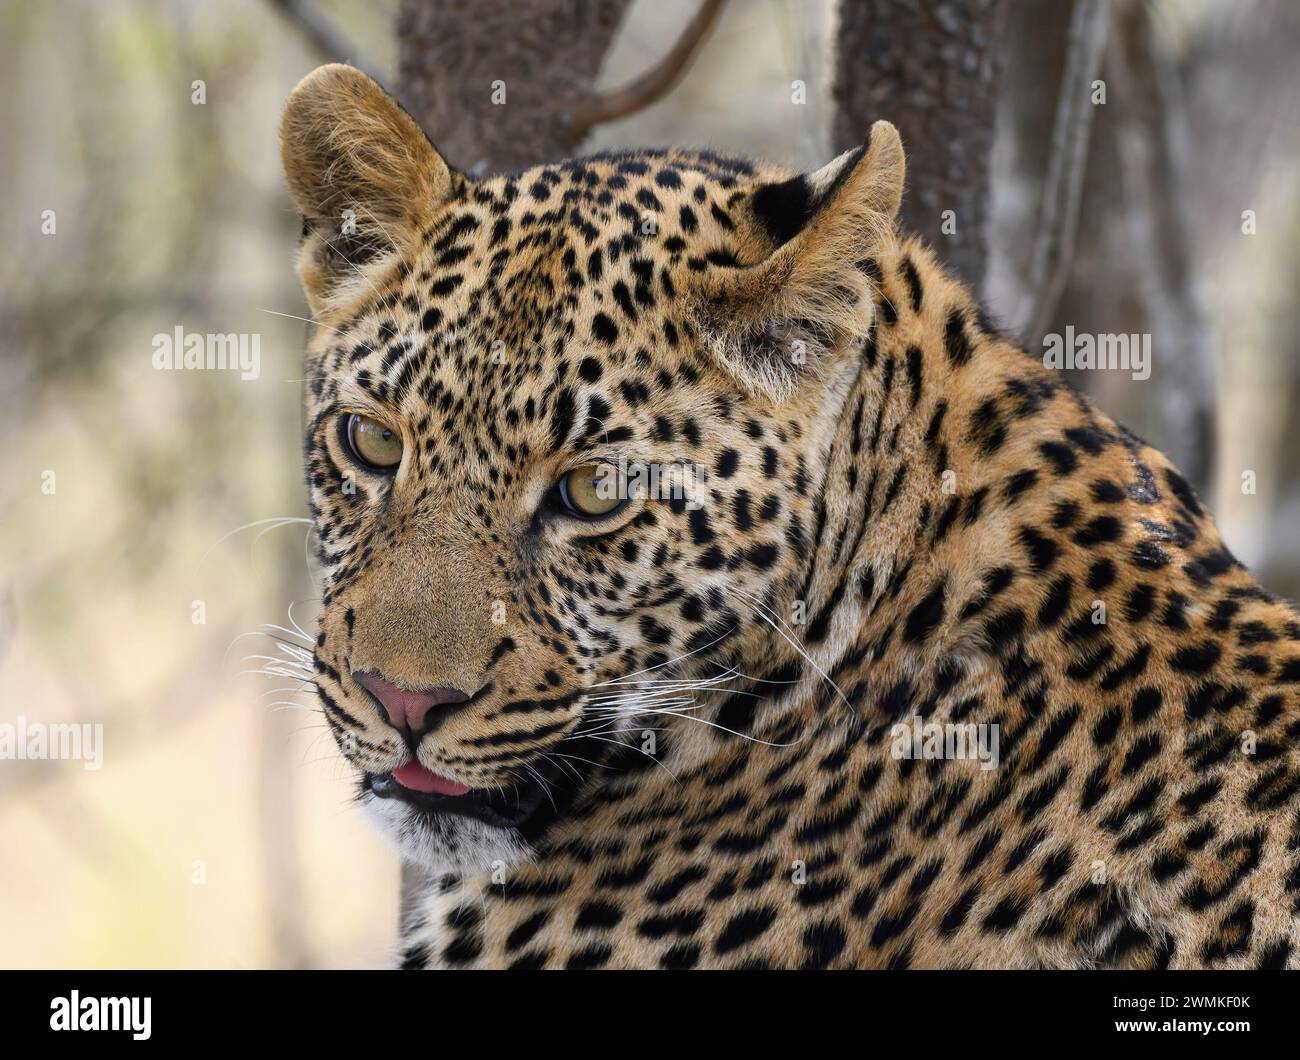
154, 569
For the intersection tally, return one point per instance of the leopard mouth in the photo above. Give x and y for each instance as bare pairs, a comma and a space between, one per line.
527, 805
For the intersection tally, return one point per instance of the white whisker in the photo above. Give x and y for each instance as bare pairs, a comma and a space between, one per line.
278, 521
762, 608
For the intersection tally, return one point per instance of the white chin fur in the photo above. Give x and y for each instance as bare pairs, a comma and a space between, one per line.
446, 844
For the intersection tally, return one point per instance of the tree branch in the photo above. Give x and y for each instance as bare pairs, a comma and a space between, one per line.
1062, 189
328, 39
655, 83
1155, 160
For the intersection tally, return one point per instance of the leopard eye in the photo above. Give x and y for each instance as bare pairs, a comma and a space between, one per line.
372, 444
591, 491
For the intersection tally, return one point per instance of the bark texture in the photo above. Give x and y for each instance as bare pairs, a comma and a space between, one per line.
932, 67
545, 55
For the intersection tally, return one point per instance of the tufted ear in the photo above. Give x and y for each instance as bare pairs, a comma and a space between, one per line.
805, 294
363, 174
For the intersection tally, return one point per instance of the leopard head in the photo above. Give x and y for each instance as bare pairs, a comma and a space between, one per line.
565, 430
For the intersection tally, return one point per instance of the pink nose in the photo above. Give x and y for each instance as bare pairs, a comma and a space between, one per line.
408, 709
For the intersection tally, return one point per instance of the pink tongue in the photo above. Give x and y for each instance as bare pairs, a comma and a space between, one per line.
417, 778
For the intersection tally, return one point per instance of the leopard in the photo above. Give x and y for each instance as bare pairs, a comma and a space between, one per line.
910, 658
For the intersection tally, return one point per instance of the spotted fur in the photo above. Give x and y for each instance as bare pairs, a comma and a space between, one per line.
905, 515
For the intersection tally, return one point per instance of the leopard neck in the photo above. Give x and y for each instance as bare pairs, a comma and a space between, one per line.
920, 471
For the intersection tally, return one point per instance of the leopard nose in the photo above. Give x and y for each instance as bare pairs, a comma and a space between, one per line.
409, 710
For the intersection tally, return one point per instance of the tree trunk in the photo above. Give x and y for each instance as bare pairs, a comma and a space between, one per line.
496, 83
932, 68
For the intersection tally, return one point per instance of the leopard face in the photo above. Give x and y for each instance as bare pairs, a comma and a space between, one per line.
562, 432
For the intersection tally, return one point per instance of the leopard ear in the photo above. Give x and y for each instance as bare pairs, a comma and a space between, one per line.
806, 294
363, 175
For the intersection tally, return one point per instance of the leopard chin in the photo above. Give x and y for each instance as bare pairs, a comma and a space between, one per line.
479, 830
445, 843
